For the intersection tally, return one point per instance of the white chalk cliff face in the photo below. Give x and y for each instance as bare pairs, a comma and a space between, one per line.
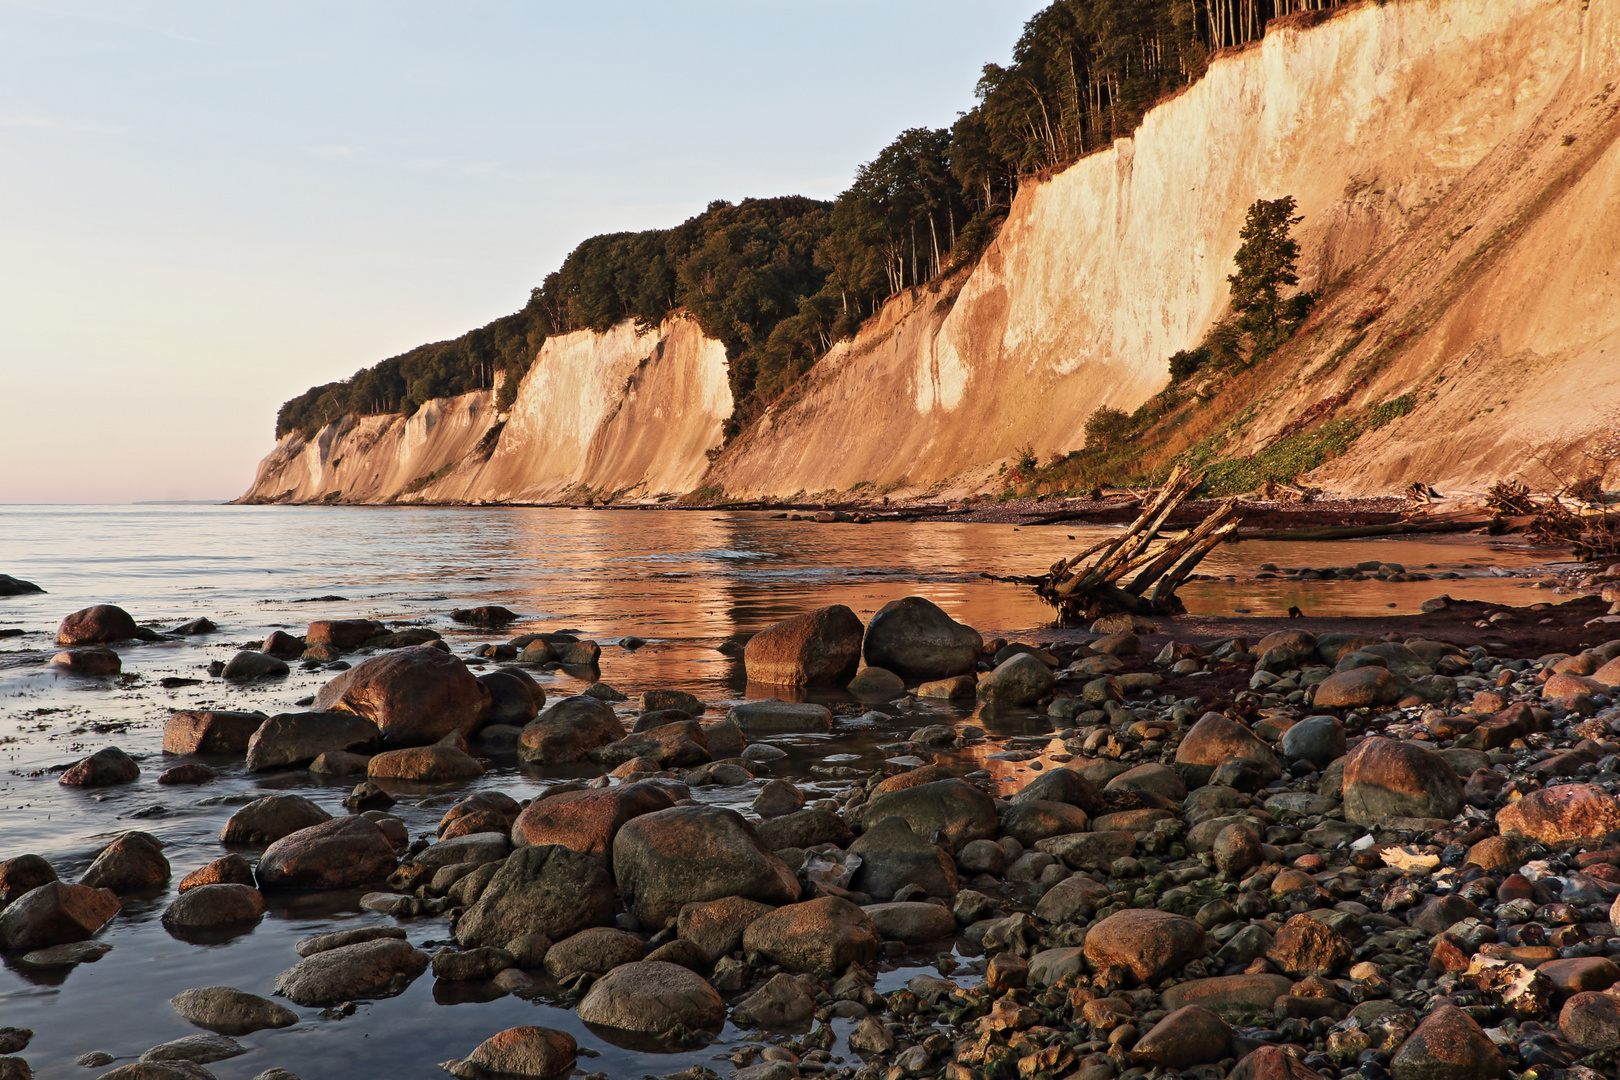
1456, 165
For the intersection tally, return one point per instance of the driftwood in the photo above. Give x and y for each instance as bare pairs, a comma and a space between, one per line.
1138, 571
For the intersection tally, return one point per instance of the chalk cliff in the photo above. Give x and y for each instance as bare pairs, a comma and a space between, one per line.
1457, 167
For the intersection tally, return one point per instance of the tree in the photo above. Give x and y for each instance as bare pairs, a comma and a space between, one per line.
1265, 263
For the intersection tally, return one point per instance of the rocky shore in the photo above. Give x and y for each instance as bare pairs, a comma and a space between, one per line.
1241, 848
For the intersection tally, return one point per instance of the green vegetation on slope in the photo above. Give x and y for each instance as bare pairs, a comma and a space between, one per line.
778, 281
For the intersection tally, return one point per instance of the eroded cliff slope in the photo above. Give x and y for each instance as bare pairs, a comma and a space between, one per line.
1456, 165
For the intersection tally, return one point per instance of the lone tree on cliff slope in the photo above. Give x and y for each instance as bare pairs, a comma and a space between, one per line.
1265, 263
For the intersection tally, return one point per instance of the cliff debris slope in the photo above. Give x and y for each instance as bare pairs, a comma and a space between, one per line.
1456, 167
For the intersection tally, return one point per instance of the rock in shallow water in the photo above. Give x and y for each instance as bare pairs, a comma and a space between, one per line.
55, 913
534, 1053
335, 854
547, 890
230, 1011
415, 696
678, 856
820, 647
652, 997
370, 969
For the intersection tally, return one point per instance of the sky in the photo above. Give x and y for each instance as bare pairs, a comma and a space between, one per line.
210, 207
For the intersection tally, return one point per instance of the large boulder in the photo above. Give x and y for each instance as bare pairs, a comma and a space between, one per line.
102, 769
533, 1053
1448, 1045
568, 730
1560, 814
1021, 679
1388, 778
546, 890
96, 625
1316, 739
665, 860
10, 586
415, 696
208, 906
54, 914
916, 640
268, 819
587, 821
1151, 944
336, 854
1032, 822
822, 936
210, 731
133, 861
1215, 739
954, 808
893, 856
291, 739
819, 647
369, 969
652, 997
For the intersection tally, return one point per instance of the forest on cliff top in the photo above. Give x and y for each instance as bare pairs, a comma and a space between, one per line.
779, 280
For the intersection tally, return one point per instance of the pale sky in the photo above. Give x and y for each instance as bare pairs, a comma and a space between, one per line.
210, 207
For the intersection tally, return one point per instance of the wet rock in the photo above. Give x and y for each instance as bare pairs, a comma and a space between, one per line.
912, 922
652, 997
1306, 947
568, 730
346, 634
290, 739
954, 808
1073, 898
547, 890
674, 857
717, 926
1019, 680
785, 1001
681, 743
1191, 1035
819, 647
1237, 849
871, 1038
1089, 850
68, 955
370, 969
1235, 997
1591, 1021
21, 874
1387, 778
1448, 1045
209, 906
587, 821
266, 820
198, 1049
10, 586
777, 798
131, 862
339, 938
478, 964
98, 625
916, 640
247, 665
102, 769
14, 1040
484, 615
1358, 688
1273, 1063
474, 848
91, 661
1149, 943
598, 950
230, 1011
1031, 822
822, 936
54, 914
156, 1070
424, 764
336, 854
1064, 786
496, 802
1561, 814
1214, 739
955, 688
877, 683
514, 697
189, 774
773, 717
534, 1053
893, 856
340, 763
804, 829
1316, 739
415, 696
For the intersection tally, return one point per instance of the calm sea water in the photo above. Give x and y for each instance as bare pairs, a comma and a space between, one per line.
686, 581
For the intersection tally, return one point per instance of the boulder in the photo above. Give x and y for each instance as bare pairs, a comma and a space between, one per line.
22, 874
1306, 947
96, 625
514, 697
55, 913
1089, 850
679, 744
10, 586
533, 1053
1362, 687
894, 856
547, 890
652, 997
953, 689
819, 647
665, 860
1215, 739
1387, 778
230, 1011
1448, 1045
877, 684
1021, 679
345, 634
133, 861
424, 764
804, 829
784, 1002
415, 696
916, 640
913, 922
248, 665
88, 661
773, 717
1031, 822
230, 870
679, 700
587, 821
268, 819
469, 965
370, 969
1591, 1020
1561, 814
102, 769
210, 731
1316, 739
596, 949
954, 808
822, 936
1191, 1035
717, 926
1150, 944
209, 906
291, 739
1273, 1063
1064, 786
1235, 997
568, 730
336, 854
